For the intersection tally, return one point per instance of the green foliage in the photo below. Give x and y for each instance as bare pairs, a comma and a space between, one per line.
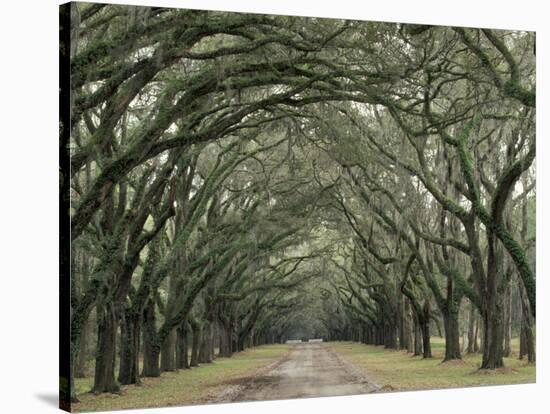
287, 176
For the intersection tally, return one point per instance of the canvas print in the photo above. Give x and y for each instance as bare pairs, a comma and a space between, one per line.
261, 207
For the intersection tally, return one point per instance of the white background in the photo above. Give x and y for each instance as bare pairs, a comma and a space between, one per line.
29, 208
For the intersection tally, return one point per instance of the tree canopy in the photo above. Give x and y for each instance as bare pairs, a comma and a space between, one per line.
238, 179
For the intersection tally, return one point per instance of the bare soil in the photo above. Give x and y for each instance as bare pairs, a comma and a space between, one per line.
308, 370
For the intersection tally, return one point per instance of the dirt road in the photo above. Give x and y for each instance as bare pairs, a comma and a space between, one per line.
308, 370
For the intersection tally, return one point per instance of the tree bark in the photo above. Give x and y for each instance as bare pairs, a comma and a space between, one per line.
225, 341
195, 346
82, 360
182, 348
168, 353
472, 333
492, 341
452, 336
206, 343
493, 318
151, 348
390, 336
129, 348
527, 329
507, 352
104, 378
425, 325
417, 337
403, 337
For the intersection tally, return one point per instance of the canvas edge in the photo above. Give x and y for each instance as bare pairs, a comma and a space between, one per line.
65, 383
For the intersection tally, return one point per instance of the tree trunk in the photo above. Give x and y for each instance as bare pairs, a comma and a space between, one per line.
471, 330
527, 335
492, 341
379, 335
151, 347
452, 336
215, 340
129, 349
195, 346
417, 337
82, 360
104, 378
408, 329
168, 353
522, 340
225, 341
508, 322
477, 347
530, 343
426, 345
390, 336
80, 369
182, 347
425, 325
240, 344
403, 339
410, 333
206, 343
371, 340
234, 345
493, 318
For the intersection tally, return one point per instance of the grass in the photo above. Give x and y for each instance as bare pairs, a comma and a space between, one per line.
397, 370
194, 386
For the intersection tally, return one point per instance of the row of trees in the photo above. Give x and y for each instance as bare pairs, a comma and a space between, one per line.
441, 203
236, 179
190, 245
